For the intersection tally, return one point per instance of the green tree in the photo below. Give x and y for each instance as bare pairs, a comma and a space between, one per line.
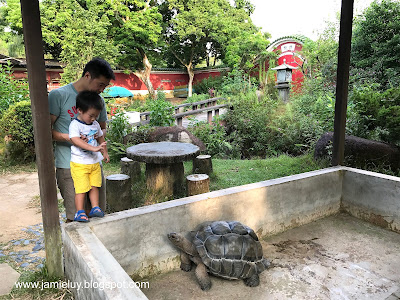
11, 39
136, 28
376, 44
123, 32
247, 50
196, 28
81, 29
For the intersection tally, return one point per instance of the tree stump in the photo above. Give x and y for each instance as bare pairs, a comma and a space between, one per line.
197, 184
118, 192
131, 168
202, 164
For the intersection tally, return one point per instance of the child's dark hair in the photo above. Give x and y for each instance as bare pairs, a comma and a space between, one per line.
99, 67
87, 99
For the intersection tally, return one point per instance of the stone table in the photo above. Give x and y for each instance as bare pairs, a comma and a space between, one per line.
164, 164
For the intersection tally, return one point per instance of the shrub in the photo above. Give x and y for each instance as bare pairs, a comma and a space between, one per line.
11, 89
247, 124
16, 124
161, 111
236, 83
214, 138
203, 86
118, 128
196, 98
375, 114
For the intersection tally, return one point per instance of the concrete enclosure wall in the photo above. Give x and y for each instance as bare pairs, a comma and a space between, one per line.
372, 197
135, 241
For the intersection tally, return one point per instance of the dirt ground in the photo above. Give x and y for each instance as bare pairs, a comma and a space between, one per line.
335, 258
20, 204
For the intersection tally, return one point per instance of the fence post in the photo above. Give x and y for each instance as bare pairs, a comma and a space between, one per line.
179, 121
209, 117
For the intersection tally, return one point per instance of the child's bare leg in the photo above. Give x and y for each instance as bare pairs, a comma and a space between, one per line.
79, 201
94, 196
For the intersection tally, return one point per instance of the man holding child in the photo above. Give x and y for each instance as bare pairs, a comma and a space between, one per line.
96, 77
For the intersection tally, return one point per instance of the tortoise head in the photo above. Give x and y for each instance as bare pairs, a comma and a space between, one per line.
182, 243
176, 239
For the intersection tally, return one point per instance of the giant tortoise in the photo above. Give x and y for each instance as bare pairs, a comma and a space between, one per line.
226, 249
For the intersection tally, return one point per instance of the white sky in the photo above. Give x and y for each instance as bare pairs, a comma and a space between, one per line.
306, 17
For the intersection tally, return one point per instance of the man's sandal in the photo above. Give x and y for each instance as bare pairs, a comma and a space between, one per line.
96, 212
80, 216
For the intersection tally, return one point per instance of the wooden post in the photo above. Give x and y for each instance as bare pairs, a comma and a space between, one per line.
202, 164
209, 117
179, 121
131, 168
118, 192
342, 84
43, 139
197, 184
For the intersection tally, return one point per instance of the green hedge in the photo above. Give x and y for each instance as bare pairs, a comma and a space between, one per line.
16, 127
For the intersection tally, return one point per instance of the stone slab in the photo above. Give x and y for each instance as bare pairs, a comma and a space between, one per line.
8, 278
162, 152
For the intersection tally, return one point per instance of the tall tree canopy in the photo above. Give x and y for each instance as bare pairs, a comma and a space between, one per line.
136, 28
197, 28
77, 30
376, 44
11, 39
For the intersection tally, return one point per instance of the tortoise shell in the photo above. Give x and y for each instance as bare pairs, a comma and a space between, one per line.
230, 249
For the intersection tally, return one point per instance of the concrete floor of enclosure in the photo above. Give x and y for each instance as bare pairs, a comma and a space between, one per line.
310, 223
338, 257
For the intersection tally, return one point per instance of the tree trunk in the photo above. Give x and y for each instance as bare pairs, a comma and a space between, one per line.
131, 168
197, 184
144, 75
165, 179
118, 192
202, 164
190, 71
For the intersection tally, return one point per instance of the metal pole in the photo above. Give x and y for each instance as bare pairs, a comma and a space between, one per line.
342, 85
42, 131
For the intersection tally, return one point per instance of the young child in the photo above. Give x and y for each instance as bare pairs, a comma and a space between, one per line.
86, 156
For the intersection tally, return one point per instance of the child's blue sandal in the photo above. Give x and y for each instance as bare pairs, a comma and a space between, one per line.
81, 216
96, 212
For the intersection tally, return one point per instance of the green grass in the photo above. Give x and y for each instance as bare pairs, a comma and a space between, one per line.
47, 292
9, 168
230, 173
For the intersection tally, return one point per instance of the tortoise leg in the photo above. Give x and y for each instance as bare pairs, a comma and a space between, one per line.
186, 263
202, 275
252, 281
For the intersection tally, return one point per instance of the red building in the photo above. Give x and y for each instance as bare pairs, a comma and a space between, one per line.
290, 48
168, 79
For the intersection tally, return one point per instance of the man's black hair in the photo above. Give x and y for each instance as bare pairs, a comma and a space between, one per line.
87, 99
99, 67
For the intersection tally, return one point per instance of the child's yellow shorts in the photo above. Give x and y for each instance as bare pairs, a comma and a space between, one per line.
85, 176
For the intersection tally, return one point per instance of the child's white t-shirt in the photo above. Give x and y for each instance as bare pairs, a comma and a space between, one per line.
79, 155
